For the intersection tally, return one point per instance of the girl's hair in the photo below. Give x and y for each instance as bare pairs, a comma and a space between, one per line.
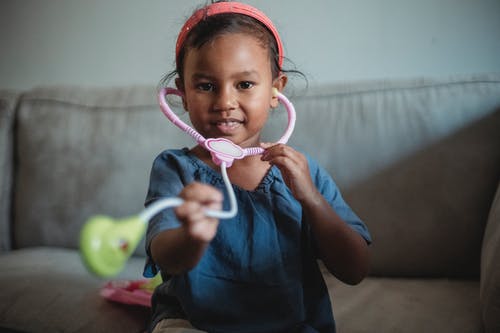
214, 26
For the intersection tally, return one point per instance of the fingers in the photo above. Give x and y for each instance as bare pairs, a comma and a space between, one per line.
198, 198
266, 145
282, 155
202, 193
294, 168
292, 164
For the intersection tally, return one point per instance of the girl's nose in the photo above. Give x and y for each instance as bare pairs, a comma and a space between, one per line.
225, 100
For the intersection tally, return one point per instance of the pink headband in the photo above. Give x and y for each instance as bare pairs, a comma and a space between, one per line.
228, 7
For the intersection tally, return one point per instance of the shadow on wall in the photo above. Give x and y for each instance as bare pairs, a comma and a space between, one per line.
427, 212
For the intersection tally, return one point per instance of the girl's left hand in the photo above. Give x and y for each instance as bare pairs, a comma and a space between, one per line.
294, 168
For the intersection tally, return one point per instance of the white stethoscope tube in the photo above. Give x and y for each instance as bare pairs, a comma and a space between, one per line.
161, 204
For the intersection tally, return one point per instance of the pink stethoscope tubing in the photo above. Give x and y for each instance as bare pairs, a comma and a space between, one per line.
167, 111
223, 154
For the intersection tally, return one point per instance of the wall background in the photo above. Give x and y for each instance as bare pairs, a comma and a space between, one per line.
119, 42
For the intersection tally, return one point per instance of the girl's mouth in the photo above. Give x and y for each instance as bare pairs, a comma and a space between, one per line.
228, 126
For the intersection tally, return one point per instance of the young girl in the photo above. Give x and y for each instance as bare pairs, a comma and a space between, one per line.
257, 272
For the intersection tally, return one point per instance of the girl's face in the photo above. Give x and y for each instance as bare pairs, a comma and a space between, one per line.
228, 88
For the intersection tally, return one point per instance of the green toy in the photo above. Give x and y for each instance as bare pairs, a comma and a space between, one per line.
107, 244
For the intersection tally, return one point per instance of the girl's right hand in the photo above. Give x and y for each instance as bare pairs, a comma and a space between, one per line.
197, 198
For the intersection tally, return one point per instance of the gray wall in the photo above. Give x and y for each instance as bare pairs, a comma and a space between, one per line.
117, 42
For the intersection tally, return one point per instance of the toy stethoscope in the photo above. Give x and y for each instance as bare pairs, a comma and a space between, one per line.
105, 245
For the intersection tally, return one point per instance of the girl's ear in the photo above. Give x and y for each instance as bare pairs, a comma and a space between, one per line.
180, 86
278, 84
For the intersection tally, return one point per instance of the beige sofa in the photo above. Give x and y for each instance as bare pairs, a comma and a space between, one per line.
417, 159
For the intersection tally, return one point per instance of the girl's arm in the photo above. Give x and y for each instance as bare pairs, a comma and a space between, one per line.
179, 250
343, 251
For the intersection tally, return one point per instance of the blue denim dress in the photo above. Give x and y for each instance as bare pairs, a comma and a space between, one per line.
260, 272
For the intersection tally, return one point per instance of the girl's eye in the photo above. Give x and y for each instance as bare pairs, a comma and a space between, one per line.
206, 86
245, 85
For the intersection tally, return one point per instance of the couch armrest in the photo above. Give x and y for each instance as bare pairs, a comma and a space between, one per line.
490, 269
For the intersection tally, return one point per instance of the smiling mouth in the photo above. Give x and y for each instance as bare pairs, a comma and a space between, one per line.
227, 126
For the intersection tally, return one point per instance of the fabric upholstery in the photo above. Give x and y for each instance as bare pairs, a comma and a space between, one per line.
53, 293
393, 305
361, 128
7, 105
490, 269
84, 152
411, 157
447, 188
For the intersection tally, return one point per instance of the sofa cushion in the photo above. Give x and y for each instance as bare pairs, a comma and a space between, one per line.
84, 151
49, 290
8, 101
53, 281
418, 160
427, 212
490, 269
406, 305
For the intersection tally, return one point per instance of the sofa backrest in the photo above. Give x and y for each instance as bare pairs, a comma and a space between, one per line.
8, 101
418, 160
84, 151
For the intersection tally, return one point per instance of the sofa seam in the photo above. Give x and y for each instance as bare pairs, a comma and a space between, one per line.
88, 106
395, 88
14, 173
